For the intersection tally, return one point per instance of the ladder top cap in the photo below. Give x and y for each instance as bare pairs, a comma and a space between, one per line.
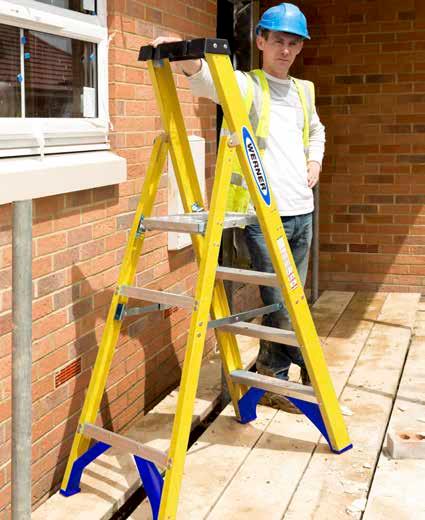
185, 49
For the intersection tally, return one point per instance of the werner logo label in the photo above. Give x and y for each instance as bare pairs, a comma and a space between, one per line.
256, 165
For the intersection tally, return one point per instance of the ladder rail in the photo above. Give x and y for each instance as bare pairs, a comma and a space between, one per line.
277, 244
197, 333
113, 326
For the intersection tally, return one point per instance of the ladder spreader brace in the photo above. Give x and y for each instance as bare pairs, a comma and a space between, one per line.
318, 402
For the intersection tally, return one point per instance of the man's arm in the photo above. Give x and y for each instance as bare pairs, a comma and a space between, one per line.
198, 73
316, 150
188, 67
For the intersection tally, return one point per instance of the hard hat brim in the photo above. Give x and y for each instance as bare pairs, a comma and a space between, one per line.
305, 36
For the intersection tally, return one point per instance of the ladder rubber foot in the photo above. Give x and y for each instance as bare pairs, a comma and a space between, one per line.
150, 476
73, 486
312, 412
248, 404
343, 449
248, 412
152, 482
69, 492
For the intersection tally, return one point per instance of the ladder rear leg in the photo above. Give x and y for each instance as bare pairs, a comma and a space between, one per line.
113, 322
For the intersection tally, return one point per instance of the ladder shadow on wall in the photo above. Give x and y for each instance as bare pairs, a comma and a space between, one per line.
84, 348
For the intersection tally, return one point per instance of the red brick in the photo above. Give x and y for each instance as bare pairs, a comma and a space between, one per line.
92, 249
105, 227
6, 323
41, 266
5, 278
50, 243
67, 220
5, 256
5, 236
66, 258
5, 498
47, 206
42, 307
50, 283
79, 235
79, 198
49, 324
41, 227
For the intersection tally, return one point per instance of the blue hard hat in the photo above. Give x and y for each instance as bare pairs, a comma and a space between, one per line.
284, 17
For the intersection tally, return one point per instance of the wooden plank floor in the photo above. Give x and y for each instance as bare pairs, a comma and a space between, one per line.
398, 485
277, 468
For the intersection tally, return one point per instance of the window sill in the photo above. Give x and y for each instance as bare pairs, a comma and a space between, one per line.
32, 177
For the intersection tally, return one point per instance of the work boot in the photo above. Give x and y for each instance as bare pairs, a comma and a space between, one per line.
305, 378
276, 401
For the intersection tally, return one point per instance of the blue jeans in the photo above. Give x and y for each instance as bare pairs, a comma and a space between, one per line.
275, 358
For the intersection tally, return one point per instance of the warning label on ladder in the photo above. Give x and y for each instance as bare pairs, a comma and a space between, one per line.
287, 263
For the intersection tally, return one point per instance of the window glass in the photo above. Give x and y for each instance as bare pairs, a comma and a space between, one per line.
82, 6
10, 66
60, 76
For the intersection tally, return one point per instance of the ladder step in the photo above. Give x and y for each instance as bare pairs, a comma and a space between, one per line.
274, 385
195, 222
124, 444
247, 276
149, 295
245, 315
286, 337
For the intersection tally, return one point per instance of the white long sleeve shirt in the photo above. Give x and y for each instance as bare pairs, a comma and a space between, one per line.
284, 159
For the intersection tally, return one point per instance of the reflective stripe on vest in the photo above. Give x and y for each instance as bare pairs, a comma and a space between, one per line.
257, 104
305, 90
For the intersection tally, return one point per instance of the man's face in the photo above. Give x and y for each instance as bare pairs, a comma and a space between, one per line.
279, 52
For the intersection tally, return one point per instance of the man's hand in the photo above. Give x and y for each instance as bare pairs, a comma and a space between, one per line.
188, 67
313, 173
164, 39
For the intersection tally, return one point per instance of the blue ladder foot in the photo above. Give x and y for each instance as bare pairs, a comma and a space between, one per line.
248, 404
312, 412
79, 465
152, 482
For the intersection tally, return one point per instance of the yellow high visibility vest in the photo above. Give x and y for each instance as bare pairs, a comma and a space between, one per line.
257, 104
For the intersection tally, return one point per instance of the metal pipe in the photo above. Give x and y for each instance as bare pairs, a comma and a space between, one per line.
21, 360
315, 247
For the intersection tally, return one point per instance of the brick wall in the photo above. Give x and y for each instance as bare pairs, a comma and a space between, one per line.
367, 59
78, 244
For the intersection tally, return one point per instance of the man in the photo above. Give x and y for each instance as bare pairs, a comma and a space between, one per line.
292, 151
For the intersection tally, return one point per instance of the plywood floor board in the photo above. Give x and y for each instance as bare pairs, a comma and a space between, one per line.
397, 490
330, 485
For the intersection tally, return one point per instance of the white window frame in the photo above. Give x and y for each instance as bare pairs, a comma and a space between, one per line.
20, 136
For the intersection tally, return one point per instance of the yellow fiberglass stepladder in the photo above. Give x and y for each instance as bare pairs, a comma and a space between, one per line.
319, 402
